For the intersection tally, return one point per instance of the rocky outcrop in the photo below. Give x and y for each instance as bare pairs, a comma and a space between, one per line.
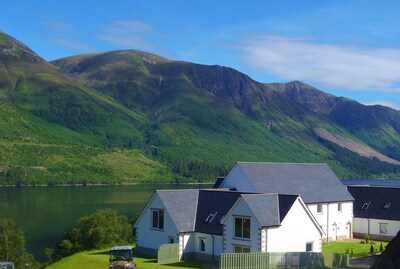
390, 257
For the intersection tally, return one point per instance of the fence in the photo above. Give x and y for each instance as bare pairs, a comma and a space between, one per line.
277, 260
168, 253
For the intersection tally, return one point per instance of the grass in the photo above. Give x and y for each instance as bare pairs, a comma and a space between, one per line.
99, 258
360, 249
96, 259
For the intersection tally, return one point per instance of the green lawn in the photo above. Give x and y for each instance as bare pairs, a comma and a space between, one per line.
98, 259
360, 249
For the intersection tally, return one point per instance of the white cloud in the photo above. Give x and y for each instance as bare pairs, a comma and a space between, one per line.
72, 44
387, 103
131, 34
331, 66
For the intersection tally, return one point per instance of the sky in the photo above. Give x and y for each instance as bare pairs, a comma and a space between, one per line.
348, 48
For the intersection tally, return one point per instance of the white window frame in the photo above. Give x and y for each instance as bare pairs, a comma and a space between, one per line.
159, 225
383, 228
242, 232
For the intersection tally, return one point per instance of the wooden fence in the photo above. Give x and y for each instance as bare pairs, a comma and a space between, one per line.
277, 260
168, 253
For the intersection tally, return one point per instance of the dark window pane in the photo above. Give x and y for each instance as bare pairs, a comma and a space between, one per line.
238, 227
202, 244
309, 247
246, 250
246, 228
155, 218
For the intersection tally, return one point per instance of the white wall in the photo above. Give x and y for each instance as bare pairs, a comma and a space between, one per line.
209, 244
295, 231
361, 227
331, 216
236, 179
150, 238
241, 210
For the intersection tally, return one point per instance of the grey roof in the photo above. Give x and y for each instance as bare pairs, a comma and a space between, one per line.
181, 206
376, 202
202, 210
315, 183
269, 209
189, 209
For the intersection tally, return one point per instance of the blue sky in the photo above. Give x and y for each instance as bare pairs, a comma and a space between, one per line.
348, 48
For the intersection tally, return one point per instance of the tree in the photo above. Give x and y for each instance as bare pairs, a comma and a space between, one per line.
99, 230
13, 245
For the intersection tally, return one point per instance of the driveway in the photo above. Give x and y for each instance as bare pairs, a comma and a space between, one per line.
362, 263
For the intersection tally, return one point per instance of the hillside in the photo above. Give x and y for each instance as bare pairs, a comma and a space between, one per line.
193, 122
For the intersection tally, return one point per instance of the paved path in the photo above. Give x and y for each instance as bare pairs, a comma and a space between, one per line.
362, 263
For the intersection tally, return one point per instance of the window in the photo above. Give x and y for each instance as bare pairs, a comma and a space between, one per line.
387, 205
210, 217
319, 209
309, 247
383, 228
365, 206
242, 249
242, 227
158, 219
171, 239
202, 244
339, 207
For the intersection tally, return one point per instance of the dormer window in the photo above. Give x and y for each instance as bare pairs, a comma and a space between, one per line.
387, 205
210, 217
365, 206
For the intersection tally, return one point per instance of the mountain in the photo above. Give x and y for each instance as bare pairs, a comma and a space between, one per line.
53, 130
191, 120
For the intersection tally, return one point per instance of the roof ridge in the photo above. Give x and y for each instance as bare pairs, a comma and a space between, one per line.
281, 163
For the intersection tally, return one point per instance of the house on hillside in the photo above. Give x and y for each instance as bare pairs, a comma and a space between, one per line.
326, 197
207, 223
376, 211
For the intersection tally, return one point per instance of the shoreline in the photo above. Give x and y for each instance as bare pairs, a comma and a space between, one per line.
102, 184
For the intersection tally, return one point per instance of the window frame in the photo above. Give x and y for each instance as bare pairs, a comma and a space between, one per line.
309, 246
202, 244
242, 248
242, 233
160, 219
340, 207
321, 211
385, 226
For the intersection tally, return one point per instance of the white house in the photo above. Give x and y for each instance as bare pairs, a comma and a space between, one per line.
376, 211
326, 197
207, 223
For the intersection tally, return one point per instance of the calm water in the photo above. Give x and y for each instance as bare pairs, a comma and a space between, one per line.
45, 213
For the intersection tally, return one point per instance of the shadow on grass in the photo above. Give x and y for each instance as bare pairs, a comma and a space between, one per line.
183, 264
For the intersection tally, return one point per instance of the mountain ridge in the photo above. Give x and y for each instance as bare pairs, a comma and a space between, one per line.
196, 120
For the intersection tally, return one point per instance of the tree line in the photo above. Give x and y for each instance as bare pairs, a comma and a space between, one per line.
102, 229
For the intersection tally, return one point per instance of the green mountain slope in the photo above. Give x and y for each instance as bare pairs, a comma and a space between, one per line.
130, 116
207, 117
54, 131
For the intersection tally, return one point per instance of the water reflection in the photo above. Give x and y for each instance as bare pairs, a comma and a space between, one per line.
45, 213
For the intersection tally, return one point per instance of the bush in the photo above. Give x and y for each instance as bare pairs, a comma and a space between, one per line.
367, 238
96, 231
